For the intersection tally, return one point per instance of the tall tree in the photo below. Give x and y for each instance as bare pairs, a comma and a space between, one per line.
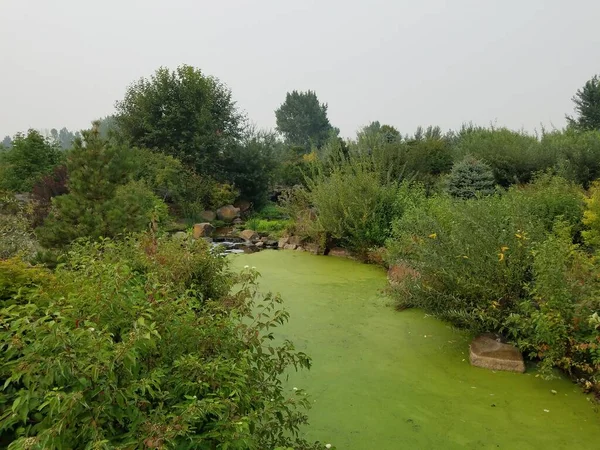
587, 106
303, 120
30, 157
6, 142
182, 113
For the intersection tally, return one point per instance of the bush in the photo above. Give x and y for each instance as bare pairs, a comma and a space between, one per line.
470, 178
16, 237
127, 356
272, 227
48, 187
591, 218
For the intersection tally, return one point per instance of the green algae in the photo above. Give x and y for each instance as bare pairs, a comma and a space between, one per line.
383, 379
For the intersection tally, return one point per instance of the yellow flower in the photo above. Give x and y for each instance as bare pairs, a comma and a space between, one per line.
500, 256
519, 236
465, 257
433, 235
503, 249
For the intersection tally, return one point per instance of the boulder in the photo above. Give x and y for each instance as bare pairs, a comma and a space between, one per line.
296, 240
264, 239
313, 248
243, 205
260, 244
339, 252
203, 230
237, 221
249, 235
283, 242
228, 213
489, 352
208, 216
290, 247
272, 244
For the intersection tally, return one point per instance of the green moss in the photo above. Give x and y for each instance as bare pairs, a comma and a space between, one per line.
383, 379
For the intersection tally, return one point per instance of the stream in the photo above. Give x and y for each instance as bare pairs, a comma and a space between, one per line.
383, 379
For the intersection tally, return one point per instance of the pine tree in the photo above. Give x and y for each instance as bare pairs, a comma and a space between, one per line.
469, 178
587, 106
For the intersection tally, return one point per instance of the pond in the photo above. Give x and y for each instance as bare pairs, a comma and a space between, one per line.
383, 379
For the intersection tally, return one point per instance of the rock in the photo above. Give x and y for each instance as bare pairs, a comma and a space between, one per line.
400, 272
237, 221
297, 240
272, 244
228, 213
243, 205
208, 216
283, 242
339, 252
180, 235
290, 247
249, 235
489, 352
203, 230
264, 239
313, 248
260, 244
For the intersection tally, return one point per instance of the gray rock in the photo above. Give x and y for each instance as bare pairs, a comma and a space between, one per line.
290, 247
203, 230
228, 213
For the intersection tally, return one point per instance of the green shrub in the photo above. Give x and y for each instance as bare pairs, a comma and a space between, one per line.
133, 352
16, 236
591, 218
272, 227
470, 178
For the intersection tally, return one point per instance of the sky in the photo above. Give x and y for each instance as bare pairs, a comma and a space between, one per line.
406, 63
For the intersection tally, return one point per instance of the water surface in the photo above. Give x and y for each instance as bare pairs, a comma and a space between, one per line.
383, 379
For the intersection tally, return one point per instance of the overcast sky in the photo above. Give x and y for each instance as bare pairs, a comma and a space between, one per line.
406, 63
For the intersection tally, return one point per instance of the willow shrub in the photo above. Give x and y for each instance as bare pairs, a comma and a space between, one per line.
128, 350
507, 263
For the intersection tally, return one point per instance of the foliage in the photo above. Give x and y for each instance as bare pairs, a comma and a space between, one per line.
29, 158
271, 211
587, 106
182, 113
19, 281
119, 357
64, 138
250, 166
16, 237
591, 217
470, 178
101, 200
48, 187
577, 154
303, 120
514, 157
272, 227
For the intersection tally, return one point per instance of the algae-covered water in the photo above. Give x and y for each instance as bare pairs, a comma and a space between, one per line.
388, 380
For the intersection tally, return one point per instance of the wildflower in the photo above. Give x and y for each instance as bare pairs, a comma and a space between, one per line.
295, 388
91, 329
246, 267
503, 249
500, 257
465, 257
327, 445
253, 267
433, 235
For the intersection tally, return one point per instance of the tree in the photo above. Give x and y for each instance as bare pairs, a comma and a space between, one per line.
182, 113
469, 178
102, 200
303, 120
587, 106
6, 142
30, 157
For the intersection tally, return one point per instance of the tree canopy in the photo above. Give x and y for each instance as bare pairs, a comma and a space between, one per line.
182, 113
303, 120
587, 106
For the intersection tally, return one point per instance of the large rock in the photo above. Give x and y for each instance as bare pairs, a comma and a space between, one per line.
296, 240
203, 230
243, 205
339, 252
249, 235
228, 213
283, 242
489, 352
313, 248
290, 247
208, 216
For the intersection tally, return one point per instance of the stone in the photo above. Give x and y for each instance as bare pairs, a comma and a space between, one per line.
203, 230
260, 244
180, 235
339, 252
296, 240
264, 239
228, 213
243, 205
283, 242
290, 247
313, 248
208, 216
249, 235
489, 352
272, 244
397, 273
237, 221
